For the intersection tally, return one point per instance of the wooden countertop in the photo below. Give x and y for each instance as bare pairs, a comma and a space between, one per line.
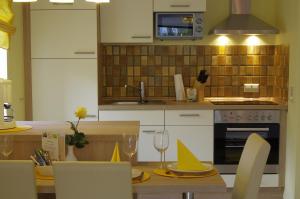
174, 105
162, 185
89, 128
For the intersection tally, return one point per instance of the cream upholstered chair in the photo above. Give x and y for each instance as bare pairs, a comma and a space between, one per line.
17, 179
92, 180
251, 168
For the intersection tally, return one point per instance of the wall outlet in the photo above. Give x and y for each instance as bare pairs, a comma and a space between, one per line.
251, 88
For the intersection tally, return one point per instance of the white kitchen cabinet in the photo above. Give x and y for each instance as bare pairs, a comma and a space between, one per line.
146, 150
179, 5
199, 139
59, 86
127, 21
46, 5
150, 122
63, 34
189, 117
268, 180
146, 117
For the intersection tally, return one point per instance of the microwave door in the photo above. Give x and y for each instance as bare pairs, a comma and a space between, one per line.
174, 25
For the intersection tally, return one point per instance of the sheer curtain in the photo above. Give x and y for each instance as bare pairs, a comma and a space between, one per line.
3, 63
6, 27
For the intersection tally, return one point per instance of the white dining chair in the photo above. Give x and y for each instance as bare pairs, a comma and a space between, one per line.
92, 180
17, 179
251, 168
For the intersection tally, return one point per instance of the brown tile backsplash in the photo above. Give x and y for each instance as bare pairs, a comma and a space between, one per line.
229, 68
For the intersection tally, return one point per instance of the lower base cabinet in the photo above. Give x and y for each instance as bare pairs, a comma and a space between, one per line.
268, 180
199, 139
146, 151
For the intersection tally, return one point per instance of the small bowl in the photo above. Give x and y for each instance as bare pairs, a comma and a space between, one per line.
44, 170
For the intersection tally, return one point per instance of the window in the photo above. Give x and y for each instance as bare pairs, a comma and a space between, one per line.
3, 63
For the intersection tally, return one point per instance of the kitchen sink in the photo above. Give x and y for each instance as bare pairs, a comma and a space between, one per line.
147, 102
126, 103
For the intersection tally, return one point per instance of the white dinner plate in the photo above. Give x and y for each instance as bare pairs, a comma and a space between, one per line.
136, 173
173, 167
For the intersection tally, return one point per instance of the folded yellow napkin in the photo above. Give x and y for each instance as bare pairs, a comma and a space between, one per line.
187, 160
116, 154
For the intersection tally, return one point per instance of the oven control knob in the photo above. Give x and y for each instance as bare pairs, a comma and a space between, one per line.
238, 118
270, 117
256, 117
250, 117
198, 20
263, 117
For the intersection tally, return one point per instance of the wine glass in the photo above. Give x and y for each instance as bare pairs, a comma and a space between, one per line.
6, 146
130, 142
161, 144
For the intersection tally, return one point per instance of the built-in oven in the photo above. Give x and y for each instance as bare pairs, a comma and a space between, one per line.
233, 127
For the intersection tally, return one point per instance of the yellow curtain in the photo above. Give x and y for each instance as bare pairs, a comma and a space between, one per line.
6, 27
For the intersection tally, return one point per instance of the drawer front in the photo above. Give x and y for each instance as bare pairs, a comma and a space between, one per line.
145, 117
268, 180
46, 5
179, 5
199, 140
146, 151
189, 117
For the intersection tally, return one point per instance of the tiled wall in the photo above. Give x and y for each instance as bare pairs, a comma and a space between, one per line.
229, 68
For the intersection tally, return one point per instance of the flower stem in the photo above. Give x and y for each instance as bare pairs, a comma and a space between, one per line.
77, 123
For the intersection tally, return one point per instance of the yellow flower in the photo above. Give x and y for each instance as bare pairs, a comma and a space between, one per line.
81, 112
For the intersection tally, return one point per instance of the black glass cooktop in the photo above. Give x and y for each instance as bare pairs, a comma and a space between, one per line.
250, 102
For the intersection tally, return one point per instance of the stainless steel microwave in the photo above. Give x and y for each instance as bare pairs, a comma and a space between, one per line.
179, 25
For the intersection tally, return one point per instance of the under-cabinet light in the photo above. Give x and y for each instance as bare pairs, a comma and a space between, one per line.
98, 1
62, 1
24, 1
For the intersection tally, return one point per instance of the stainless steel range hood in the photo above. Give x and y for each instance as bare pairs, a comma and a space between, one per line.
242, 22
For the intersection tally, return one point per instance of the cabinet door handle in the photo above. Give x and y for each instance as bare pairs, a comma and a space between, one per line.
247, 129
189, 115
91, 116
84, 52
180, 6
149, 131
141, 37
58, 4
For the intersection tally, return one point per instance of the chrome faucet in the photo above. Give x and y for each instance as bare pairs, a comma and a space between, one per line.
141, 90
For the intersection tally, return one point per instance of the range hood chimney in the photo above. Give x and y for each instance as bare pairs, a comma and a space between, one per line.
242, 22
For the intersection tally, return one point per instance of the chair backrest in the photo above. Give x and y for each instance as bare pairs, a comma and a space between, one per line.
251, 167
17, 179
92, 180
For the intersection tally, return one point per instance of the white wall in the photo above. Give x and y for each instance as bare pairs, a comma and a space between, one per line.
289, 24
16, 64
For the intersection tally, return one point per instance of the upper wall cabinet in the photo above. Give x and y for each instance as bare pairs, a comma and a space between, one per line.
46, 5
64, 34
179, 5
127, 21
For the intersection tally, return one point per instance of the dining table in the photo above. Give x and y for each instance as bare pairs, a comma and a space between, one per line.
162, 187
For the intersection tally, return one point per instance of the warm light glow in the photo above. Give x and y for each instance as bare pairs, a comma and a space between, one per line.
222, 40
253, 41
3, 63
24, 1
98, 1
62, 1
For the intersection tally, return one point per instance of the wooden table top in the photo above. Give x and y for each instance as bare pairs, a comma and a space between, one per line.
160, 184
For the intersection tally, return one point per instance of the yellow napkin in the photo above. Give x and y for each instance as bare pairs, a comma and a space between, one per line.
187, 160
116, 154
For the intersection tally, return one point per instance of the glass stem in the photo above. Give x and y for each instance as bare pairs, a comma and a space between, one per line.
164, 164
161, 160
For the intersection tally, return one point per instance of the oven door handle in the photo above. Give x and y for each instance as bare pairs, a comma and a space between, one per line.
238, 146
248, 129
